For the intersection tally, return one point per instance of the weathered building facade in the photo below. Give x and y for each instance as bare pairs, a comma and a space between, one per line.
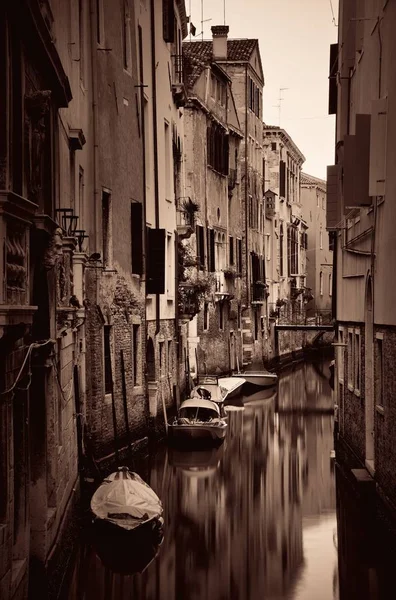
161, 27
212, 139
285, 235
240, 60
361, 217
319, 253
43, 162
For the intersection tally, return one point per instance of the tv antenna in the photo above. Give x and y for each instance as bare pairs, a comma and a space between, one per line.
279, 105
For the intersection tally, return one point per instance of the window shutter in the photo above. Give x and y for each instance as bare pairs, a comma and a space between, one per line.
231, 242
378, 147
168, 18
156, 261
212, 257
333, 79
200, 246
282, 178
137, 237
333, 200
362, 164
349, 171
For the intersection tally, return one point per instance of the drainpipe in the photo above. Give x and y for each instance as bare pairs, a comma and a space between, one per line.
155, 136
143, 133
97, 199
246, 191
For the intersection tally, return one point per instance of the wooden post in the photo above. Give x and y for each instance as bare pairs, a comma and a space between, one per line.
124, 399
164, 409
114, 413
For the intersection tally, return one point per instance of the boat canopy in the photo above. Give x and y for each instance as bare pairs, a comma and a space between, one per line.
200, 403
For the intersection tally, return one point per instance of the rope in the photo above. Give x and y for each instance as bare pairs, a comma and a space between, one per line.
31, 347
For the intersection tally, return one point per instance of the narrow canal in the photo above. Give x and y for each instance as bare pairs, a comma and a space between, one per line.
253, 519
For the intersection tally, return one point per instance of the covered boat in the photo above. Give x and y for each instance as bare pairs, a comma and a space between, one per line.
218, 389
198, 420
257, 379
125, 500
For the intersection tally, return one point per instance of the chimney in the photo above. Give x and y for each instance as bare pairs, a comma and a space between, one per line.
220, 33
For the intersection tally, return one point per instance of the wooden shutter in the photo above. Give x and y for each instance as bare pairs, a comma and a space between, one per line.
137, 237
200, 246
378, 142
156, 261
333, 69
168, 19
282, 179
211, 251
333, 200
231, 249
362, 164
349, 171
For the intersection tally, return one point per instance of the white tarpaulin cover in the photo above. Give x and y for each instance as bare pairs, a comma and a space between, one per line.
125, 500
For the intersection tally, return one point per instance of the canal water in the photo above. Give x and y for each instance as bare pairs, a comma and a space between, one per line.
253, 519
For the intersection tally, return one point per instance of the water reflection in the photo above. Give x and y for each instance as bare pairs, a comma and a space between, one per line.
252, 519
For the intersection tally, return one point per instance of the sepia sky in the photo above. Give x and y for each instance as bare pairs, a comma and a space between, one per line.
294, 38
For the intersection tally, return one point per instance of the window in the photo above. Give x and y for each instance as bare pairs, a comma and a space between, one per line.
282, 179
126, 37
341, 353
273, 146
137, 237
200, 246
156, 252
206, 317
321, 283
268, 246
99, 21
107, 237
108, 379
357, 362
81, 28
239, 319
239, 255
379, 370
136, 352
217, 148
350, 359
80, 207
169, 265
330, 284
321, 239
168, 21
281, 250
231, 250
168, 165
211, 250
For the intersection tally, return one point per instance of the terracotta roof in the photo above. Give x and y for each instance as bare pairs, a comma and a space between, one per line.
306, 179
197, 55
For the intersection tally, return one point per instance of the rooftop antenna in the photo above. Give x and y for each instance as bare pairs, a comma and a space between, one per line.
224, 12
279, 105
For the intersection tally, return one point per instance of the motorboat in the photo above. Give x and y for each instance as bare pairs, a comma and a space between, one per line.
124, 500
218, 389
251, 395
198, 420
257, 379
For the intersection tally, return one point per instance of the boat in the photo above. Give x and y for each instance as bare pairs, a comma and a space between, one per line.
198, 420
126, 551
218, 389
124, 500
257, 379
198, 463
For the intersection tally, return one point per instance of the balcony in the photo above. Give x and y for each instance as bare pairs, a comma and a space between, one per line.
259, 292
178, 88
186, 211
224, 287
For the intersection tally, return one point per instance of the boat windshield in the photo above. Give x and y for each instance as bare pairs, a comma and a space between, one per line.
198, 413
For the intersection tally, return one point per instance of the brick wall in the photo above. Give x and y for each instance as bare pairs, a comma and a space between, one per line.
385, 424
